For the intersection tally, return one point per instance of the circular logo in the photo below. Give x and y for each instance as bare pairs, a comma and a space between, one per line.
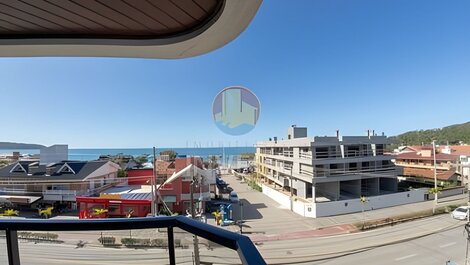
236, 110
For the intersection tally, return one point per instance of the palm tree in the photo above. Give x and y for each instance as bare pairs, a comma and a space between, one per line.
434, 191
364, 200
213, 161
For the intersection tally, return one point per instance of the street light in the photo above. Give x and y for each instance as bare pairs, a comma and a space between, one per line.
291, 189
241, 217
435, 176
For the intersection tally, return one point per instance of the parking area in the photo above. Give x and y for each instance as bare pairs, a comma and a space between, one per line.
262, 214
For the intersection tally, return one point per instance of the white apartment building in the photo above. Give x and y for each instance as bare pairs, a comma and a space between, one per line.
328, 175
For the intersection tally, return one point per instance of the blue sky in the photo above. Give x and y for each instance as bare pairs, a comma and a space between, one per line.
391, 66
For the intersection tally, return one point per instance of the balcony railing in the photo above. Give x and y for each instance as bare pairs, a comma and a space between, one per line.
305, 155
246, 250
319, 172
347, 154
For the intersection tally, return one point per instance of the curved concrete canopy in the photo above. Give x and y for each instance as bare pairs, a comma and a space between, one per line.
229, 19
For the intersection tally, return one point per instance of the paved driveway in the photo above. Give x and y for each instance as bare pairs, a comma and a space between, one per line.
263, 214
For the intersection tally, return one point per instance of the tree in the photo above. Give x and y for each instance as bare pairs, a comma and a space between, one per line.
122, 173
170, 153
213, 161
364, 200
3, 163
435, 192
142, 159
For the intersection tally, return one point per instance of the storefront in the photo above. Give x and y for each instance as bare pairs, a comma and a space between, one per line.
112, 207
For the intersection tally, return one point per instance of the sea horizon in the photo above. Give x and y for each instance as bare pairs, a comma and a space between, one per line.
84, 154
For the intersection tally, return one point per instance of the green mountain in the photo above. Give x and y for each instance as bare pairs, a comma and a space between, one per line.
8, 145
452, 134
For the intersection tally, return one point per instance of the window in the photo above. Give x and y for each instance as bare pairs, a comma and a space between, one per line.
352, 166
321, 152
114, 209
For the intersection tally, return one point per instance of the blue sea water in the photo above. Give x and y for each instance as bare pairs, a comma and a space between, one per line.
92, 154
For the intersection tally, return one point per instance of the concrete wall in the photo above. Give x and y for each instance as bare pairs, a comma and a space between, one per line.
299, 186
446, 192
277, 196
301, 208
375, 202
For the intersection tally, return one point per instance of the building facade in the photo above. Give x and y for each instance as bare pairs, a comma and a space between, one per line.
57, 182
326, 169
417, 164
463, 162
136, 196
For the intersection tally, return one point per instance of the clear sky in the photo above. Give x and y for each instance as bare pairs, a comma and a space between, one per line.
391, 66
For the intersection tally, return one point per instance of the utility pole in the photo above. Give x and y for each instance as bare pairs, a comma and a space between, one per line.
241, 217
467, 229
152, 183
435, 175
291, 189
197, 261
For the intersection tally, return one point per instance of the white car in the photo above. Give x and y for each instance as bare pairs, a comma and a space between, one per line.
233, 196
460, 213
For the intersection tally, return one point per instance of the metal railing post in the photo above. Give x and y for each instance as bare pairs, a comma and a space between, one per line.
171, 245
12, 247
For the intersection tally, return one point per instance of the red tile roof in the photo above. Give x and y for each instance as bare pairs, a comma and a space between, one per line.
418, 148
460, 149
417, 156
428, 173
165, 167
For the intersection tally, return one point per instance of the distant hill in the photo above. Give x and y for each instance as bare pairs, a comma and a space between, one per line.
452, 134
8, 145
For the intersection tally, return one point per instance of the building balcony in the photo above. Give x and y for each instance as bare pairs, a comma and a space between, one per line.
423, 165
306, 155
352, 171
149, 240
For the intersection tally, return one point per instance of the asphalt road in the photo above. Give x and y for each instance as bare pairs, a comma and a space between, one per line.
434, 249
408, 242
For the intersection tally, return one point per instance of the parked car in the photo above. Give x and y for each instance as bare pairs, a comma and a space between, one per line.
460, 213
233, 196
226, 189
220, 181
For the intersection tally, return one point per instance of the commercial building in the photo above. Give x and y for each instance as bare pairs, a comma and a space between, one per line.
328, 175
173, 193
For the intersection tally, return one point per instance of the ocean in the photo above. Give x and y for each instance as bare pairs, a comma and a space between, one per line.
94, 153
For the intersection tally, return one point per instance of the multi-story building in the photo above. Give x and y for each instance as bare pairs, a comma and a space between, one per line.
27, 182
329, 169
417, 164
463, 163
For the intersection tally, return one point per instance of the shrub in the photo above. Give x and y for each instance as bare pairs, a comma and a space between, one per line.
137, 242
159, 243
38, 236
107, 240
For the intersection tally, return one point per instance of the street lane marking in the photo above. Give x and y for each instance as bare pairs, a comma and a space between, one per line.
406, 257
448, 245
